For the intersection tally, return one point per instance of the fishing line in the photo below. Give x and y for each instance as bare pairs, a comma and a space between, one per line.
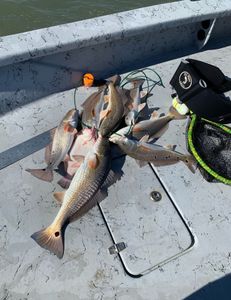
141, 74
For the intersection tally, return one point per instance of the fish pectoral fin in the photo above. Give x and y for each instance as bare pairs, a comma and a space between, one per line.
93, 161
144, 138
64, 183
69, 128
106, 98
59, 196
141, 163
141, 106
154, 115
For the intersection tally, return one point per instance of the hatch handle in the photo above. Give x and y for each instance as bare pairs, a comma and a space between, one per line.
117, 248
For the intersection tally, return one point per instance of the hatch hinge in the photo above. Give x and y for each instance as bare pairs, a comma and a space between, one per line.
116, 248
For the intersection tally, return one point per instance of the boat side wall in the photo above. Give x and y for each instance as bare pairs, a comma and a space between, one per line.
42, 62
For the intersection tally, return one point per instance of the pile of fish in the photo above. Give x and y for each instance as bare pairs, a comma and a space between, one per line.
83, 144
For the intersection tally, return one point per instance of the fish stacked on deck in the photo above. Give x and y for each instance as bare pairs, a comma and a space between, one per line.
87, 154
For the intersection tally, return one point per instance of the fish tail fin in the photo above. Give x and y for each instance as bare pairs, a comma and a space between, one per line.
50, 238
174, 115
115, 79
43, 174
190, 162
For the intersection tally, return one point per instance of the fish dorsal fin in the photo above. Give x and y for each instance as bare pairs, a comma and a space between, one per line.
141, 106
93, 161
59, 196
154, 115
144, 138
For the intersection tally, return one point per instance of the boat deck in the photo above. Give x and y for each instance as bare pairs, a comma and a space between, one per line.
175, 246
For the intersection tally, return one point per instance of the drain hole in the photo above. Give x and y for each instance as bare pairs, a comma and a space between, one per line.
201, 35
205, 24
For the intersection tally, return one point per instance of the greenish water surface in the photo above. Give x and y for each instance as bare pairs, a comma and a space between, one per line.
24, 15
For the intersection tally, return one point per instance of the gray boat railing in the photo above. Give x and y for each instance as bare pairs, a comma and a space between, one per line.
38, 63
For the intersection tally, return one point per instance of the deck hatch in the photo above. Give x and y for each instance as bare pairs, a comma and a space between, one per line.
154, 232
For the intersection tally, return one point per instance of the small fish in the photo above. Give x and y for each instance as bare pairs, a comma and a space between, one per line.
158, 155
155, 126
57, 151
136, 105
113, 113
92, 107
77, 198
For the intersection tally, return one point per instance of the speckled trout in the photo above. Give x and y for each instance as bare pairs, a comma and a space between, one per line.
84, 186
61, 143
147, 152
113, 113
155, 126
136, 106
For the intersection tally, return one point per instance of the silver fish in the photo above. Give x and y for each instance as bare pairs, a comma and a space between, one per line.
136, 105
156, 154
113, 113
155, 126
57, 151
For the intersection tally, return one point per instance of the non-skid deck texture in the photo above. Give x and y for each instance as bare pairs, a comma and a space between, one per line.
87, 270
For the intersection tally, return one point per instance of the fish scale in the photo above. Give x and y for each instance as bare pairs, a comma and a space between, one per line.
84, 194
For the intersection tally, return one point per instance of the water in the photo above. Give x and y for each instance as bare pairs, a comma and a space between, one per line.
24, 15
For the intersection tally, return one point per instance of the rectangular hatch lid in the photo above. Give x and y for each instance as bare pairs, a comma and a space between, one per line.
146, 227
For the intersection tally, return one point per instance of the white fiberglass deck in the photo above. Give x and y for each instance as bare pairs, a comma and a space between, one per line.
87, 270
